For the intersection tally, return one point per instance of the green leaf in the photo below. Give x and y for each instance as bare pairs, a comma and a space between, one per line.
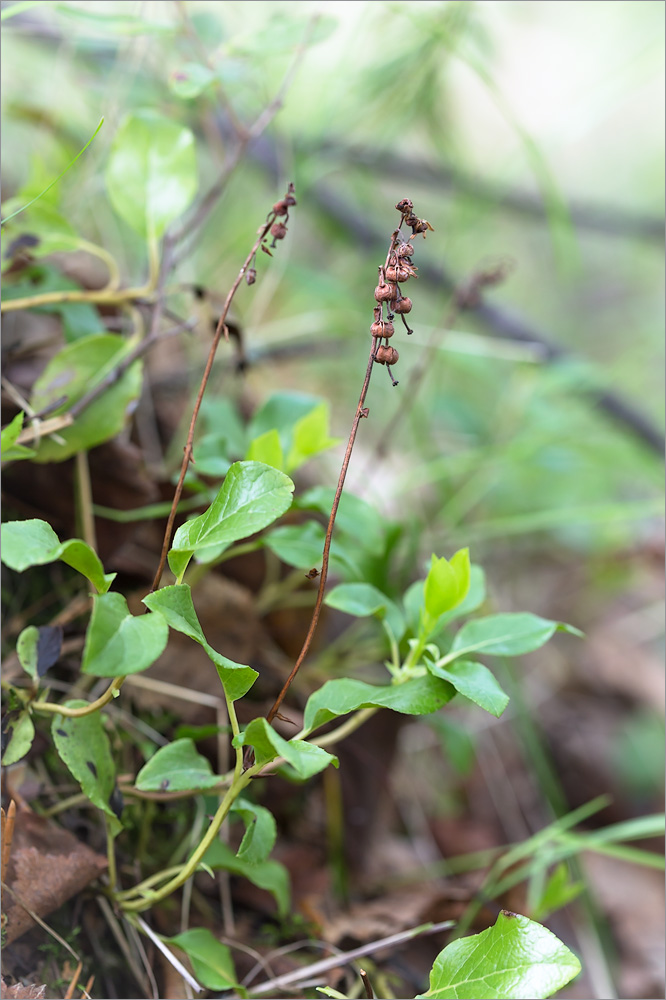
305, 758
310, 436
506, 634
21, 732
446, 585
559, 891
84, 747
356, 517
413, 601
10, 451
417, 696
516, 959
269, 875
362, 600
260, 831
11, 432
176, 607
35, 543
72, 373
117, 643
176, 767
252, 496
190, 80
267, 449
38, 649
151, 175
473, 681
299, 545
281, 412
211, 960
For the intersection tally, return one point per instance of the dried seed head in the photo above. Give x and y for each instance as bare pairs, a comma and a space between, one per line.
281, 207
406, 206
403, 306
405, 250
386, 292
386, 355
382, 329
398, 273
278, 230
251, 275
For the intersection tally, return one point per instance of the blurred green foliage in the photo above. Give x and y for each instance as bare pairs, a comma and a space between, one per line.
470, 110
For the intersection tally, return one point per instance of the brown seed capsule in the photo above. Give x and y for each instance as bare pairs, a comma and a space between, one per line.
403, 306
397, 273
382, 329
281, 207
386, 355
405, 250
405, 206
386, 292
251, 275
278, 230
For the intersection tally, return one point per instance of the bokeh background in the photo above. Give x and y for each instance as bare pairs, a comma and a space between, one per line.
528, 419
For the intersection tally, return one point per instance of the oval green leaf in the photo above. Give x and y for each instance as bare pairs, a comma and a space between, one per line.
177, 767
21, 733
35, 543
305, 758
211, 960
506, 634
117, 643
151, 175
418, 696
176, 607
74, 371
252, 496
84, 747
269, 875
516, 959
473, 681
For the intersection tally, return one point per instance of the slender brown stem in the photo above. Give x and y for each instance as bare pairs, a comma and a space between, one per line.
360, 412
187, 456
368, 985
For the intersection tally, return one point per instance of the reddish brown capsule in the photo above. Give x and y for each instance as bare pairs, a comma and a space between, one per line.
403, 306
386, 292
278, 230
281, 207
386, 355
398, 273
251, 275
382, 328
405, 206
405, 250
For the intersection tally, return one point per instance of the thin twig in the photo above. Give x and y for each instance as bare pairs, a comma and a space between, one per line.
187, 456
368, 985
317, 968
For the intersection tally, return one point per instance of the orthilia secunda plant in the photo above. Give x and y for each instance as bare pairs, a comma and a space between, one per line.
393, 273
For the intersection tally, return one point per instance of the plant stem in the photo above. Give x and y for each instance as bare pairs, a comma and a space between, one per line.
360, 413
74, 713
187, 456
191, 865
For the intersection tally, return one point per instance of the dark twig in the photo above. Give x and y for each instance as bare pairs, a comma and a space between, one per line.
609, 219
279, 209
368, 985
